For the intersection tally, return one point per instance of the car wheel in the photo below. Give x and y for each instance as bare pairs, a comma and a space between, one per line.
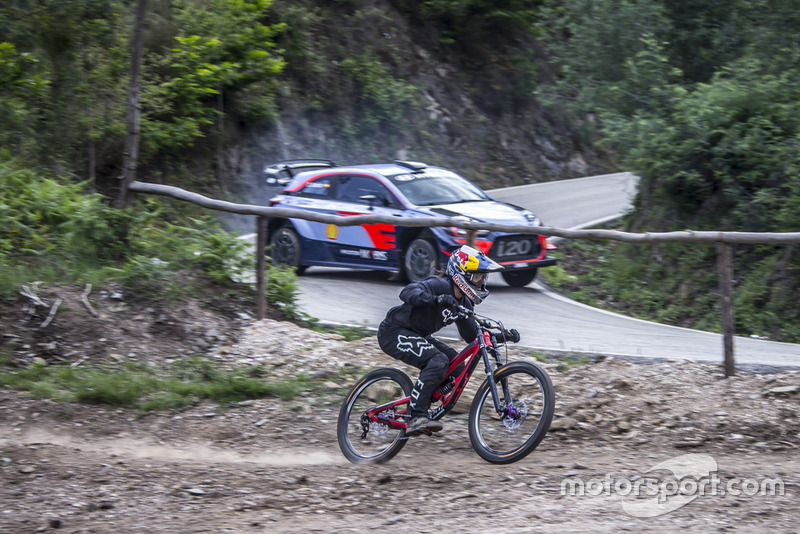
419, 260
287, 249
519, 278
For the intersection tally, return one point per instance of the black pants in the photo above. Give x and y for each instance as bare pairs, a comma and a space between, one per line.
428, 354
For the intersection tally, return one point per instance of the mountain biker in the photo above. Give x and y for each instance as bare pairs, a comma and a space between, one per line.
428, 306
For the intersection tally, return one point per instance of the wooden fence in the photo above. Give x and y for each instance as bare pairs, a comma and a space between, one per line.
722, 240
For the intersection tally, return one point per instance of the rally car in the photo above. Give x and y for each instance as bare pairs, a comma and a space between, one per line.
400, 189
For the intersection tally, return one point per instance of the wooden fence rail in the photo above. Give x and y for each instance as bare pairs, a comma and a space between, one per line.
722, 240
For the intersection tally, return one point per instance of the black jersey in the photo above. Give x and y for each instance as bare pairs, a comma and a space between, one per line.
422, 314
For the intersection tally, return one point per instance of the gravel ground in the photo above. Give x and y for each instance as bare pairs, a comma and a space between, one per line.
273, 465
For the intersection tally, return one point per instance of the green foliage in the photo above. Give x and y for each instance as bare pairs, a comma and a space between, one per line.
468, 22
705, 35
68, 87
54, 230
282, 290
382, 99
571, 359
677, 284
64, 70
198, 243
596, 45
145, 276
702, 102
223, 54
700, 98
492, 42
41, 216
765, 301
349, 333
21, 84
144, 387
727, 157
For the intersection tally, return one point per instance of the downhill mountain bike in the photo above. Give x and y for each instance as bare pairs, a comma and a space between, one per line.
508, 418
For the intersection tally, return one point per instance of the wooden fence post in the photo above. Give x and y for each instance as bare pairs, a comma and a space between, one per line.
725, 273
261, 286
471, 238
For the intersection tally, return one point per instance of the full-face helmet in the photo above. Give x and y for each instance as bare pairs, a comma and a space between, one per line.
469, 269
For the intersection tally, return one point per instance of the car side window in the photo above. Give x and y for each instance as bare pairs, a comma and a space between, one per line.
319, 188
354, 188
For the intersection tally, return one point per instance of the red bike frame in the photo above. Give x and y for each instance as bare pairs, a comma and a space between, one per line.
470, 355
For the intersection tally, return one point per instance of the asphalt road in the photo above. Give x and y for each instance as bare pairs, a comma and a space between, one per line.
545, 319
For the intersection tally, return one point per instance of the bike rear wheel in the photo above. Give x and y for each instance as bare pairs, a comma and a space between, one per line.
381, 442
527, 399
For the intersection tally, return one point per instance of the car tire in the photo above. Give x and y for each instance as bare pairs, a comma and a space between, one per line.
287, 249
419, 260
520, 278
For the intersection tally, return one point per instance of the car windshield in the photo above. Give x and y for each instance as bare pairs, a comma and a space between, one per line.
430, 189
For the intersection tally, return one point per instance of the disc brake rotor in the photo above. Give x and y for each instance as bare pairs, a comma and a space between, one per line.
378, 428
516, 414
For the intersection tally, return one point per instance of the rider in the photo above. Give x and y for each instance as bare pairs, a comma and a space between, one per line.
428, 306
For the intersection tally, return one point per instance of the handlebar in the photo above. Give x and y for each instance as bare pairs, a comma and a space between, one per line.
490, 324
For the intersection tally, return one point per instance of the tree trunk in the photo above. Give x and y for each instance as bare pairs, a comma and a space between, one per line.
131, 153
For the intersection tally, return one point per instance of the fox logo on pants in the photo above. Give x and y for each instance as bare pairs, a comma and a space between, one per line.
415, 394
414, 345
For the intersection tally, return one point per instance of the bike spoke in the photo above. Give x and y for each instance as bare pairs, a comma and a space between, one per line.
369, 438
524, 401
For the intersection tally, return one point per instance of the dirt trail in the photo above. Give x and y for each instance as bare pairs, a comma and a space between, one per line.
273, 465
88, 469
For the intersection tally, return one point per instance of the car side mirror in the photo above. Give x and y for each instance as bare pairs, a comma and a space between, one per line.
370, 199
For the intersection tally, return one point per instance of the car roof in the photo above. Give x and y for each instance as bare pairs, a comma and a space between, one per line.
384, 169
388, 170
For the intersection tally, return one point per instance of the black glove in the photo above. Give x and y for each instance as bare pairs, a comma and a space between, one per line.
512, 335
448, 301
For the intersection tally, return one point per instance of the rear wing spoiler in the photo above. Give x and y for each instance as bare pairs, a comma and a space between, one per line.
282, 172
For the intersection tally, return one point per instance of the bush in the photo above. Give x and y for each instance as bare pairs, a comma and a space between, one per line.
58, 231
48, 216
282, 290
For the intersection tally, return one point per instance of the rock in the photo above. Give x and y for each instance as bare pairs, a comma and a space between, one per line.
563, 423
622, 383
782, 390
620, 427
689, 444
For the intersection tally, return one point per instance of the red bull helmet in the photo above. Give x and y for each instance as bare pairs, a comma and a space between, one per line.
469, 269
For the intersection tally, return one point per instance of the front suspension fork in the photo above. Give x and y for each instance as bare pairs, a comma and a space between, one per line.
502, 410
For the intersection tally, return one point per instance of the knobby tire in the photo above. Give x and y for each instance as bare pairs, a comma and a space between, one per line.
382, 443
503, 440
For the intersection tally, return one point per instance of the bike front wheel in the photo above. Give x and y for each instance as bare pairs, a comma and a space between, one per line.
527, 401
367, 441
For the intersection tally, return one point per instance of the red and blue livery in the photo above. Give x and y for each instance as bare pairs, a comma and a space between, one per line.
401, 189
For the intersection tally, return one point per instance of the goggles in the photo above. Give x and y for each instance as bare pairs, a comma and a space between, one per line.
478, 279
